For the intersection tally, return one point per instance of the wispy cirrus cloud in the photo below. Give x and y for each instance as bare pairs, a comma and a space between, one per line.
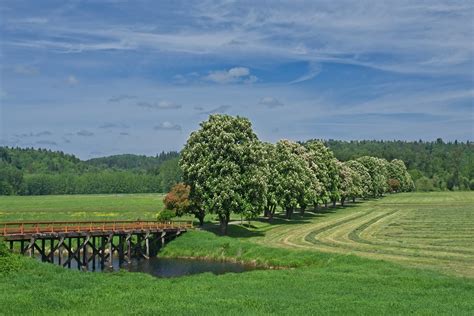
161, 105
114, 125
219, 109
122, 97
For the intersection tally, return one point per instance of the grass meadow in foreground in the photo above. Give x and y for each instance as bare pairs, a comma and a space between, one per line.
318, 283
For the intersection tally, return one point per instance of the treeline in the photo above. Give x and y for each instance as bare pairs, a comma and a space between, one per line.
227, 169
436, 165
28, 171
132, 162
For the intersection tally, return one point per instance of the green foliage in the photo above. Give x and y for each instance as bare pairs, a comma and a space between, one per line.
165, 215
325, 169
44, 172
350, 182
223, 164
424, 184
293, 180
377, 169
362, 179
451, 163
131, 162
170, 173
8, 262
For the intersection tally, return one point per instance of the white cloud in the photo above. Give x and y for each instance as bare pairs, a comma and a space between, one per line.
72, 80
233, 75
270, 102
168, 126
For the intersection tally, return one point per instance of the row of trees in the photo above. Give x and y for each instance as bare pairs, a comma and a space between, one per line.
226, 169
433, 165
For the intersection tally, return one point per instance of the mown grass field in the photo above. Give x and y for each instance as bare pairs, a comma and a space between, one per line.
403, 254
80, 207
428, 230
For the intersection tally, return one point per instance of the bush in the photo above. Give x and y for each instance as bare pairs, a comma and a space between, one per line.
424, 184
165, 215
8, 262
177, 199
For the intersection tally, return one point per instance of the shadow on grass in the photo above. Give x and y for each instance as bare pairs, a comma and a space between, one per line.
244, 230
241, 231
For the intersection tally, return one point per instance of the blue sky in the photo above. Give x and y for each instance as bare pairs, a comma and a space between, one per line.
97, 78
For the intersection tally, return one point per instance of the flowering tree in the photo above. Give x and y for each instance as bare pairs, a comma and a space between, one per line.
326, 171
377, 169
223, 163
292, 176
362, 181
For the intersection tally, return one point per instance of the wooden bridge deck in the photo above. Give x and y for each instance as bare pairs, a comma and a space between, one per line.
25, 230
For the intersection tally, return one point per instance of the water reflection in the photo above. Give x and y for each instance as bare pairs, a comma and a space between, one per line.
168, 267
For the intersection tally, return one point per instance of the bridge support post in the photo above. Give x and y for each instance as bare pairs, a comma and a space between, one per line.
69, 253
129, 248
93, 253
163, 234
43, 256
147, 245
111, 253
85, 262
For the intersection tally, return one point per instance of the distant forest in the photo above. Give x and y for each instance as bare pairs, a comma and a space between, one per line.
26, 171
432, 165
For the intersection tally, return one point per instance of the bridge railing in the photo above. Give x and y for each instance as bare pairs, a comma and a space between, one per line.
28, 227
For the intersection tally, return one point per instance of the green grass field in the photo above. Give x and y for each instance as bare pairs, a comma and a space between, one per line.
80, 207
403, 254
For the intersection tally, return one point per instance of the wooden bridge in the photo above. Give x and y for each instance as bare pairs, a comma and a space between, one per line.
90, 244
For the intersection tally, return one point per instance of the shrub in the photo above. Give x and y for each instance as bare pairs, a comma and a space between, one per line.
165, 215
8, 262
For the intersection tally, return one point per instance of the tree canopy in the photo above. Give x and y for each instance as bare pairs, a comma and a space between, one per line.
223, 163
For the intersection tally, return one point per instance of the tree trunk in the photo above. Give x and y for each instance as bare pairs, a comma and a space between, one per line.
302, 209
271, 213
353, 200
200, 216
266, 213
326, 204
201, 220
342, 201
334, 203
289, 212
223, 221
